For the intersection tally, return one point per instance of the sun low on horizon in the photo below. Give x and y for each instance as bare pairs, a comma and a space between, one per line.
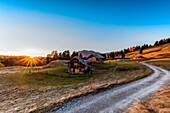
84, 56
35, 28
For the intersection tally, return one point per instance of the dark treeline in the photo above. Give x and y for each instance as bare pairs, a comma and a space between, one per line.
122, 53
66, 55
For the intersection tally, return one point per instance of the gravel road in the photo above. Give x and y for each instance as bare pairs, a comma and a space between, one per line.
118, 98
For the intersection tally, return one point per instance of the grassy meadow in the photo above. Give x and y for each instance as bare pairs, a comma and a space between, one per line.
33, 90
62, 78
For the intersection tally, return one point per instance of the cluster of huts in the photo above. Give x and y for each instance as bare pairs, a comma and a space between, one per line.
78, 65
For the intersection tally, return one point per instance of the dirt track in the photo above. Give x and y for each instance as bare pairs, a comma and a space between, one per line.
119, 98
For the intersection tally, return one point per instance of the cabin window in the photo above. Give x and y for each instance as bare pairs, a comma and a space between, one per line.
75, 64
76, 70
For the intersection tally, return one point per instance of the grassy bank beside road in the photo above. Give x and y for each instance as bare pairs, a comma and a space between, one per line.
161, 63
26, 91
158, 103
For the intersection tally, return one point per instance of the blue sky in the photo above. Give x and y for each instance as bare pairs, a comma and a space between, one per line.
36, 27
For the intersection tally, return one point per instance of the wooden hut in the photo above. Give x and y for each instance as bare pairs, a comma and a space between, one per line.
77, 65
96, 58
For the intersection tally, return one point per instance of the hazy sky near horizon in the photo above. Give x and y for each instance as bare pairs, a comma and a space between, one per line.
36, 27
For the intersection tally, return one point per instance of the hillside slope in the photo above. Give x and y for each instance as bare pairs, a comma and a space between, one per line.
162, 51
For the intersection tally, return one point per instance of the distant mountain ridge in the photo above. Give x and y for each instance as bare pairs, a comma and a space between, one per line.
87, 53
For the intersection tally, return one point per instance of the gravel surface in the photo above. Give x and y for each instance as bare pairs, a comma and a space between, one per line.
119, 98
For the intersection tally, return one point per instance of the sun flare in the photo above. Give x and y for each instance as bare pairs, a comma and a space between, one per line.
30, 61
31, 56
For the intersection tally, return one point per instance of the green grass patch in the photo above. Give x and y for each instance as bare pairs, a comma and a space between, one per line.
34, 79
106, 64
58, 69
42, 79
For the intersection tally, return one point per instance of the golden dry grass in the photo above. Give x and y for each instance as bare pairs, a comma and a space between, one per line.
26, 99
158, 103
162, 51
163, 63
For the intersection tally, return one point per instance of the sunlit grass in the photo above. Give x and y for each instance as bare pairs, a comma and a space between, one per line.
20, 78
157, 103
34, 79
161, 63
161, 51
62, 78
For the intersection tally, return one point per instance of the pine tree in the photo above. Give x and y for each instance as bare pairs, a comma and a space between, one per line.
81, 55
123, 55
112, 54
141, 50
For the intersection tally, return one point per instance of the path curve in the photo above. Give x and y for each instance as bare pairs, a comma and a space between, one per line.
118, 99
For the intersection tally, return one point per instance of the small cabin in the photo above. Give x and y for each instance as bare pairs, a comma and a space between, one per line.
77, 65
96, 58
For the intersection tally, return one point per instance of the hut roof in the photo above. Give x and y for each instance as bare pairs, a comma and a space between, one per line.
96, 56
80, 59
